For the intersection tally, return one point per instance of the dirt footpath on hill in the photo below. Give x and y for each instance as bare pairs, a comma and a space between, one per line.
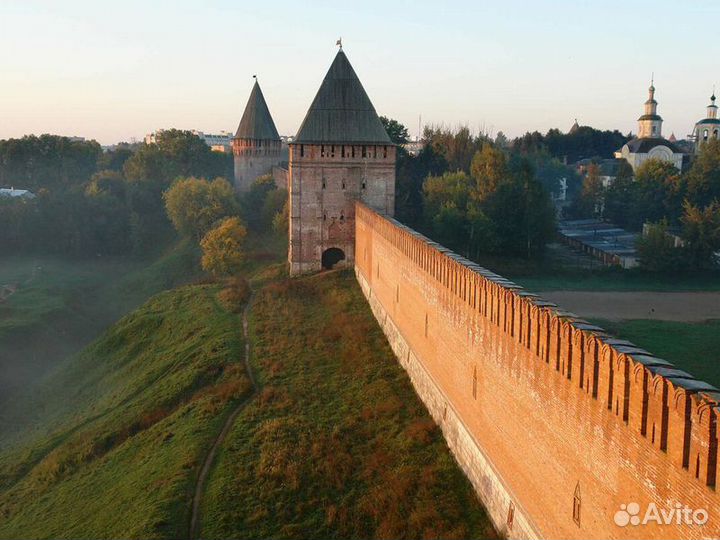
616, 306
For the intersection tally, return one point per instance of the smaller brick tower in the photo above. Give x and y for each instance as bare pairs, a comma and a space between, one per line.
341, 154
256, 145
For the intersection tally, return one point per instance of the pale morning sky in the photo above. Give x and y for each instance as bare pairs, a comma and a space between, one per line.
116, 70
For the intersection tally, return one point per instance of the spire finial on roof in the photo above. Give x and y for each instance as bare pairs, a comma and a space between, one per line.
339, 43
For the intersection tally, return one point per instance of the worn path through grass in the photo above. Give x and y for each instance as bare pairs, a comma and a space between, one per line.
220, 439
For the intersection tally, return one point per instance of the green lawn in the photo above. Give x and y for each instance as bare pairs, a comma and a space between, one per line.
554, 273
110, 444
615, 280
337, 445
693, 347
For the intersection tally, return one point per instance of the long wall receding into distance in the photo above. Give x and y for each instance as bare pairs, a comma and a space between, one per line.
555, 423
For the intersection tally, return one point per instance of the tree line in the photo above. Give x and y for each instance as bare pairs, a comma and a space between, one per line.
472, 194
91, 202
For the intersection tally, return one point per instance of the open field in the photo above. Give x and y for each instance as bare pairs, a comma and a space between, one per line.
617, 306
693, 347
562, 270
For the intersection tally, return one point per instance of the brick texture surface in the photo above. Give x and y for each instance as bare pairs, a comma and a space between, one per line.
544, 412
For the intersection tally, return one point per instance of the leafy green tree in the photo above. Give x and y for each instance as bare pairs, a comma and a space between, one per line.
502, 208
411, 173
280, 222
194, 205
457, 147
489, 168
107, 182
701, 231
591, 201
703, 179
501, 140
115, 159
222, 247
176, 154
47, 162
261, 202
585, 142
657, 251
397, 132
659, 191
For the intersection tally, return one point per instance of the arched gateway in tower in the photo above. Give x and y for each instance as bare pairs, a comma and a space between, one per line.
341, 154
256, 145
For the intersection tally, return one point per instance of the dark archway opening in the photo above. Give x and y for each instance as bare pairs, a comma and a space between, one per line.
331, 257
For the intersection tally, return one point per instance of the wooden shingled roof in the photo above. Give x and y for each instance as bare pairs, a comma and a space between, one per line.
342, 111
256, 122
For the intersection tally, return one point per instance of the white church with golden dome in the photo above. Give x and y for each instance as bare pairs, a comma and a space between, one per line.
649, 142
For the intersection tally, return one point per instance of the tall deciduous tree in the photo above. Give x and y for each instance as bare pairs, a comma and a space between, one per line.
704, 176
194, 205
701, 231
222, 247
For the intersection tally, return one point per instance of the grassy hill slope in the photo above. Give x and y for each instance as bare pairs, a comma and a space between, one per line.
61, 305
334, 444
337, 444
121, 430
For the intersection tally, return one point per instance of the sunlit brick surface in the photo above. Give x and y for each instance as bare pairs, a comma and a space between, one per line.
542, 410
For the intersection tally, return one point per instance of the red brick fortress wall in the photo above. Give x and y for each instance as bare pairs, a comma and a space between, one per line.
555, 423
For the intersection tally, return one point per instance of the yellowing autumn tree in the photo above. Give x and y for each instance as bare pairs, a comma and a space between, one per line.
222, 247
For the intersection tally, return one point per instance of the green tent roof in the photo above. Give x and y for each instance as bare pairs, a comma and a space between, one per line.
256, 122
341, 111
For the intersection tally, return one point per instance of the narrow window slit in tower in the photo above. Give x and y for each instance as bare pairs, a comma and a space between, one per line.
302, 150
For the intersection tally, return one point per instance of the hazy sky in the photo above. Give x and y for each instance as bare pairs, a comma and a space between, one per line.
116, 70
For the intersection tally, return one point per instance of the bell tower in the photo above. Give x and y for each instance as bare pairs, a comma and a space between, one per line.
341, 154
650, 123
256, 145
